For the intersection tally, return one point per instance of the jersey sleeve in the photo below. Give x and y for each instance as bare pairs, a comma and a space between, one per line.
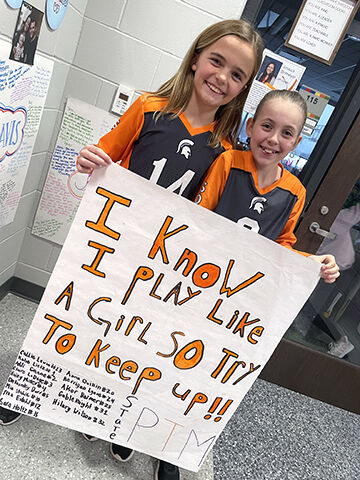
119, 142
287, 237
214, 183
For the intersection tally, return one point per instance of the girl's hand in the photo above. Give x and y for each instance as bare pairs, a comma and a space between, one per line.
91, 157
329, 269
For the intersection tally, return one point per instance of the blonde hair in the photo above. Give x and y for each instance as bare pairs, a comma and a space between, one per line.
179, 88
289, 95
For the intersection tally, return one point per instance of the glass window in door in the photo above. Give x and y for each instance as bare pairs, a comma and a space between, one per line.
330, 320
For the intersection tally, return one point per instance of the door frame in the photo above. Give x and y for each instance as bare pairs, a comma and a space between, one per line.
293, 365
321, 376
339, 180
333, 136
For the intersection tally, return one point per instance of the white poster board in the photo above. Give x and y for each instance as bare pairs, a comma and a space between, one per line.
156, 320
23, 90
286, 75
64, 186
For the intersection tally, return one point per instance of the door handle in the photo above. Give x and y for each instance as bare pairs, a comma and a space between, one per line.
315, 228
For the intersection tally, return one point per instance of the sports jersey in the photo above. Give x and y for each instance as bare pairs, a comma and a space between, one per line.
166, 150
231, 189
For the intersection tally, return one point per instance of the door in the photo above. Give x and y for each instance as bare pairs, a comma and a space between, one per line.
323, 343
331, 159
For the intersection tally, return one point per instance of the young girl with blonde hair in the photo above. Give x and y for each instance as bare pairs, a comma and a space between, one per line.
173, 135
253, 189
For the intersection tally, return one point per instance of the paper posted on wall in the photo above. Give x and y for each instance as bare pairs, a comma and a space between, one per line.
64, 187
23, 90
275, 73
156, 320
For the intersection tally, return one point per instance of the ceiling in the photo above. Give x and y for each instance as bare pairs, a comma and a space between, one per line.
274, 21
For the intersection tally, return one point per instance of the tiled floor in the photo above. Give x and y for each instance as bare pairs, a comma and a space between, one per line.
275, 434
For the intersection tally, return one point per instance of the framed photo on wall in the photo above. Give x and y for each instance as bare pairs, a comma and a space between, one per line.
26, 34
320, 27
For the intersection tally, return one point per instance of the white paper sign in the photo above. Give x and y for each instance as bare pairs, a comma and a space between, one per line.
320, 26
23, 90
156, 321
285, 75
64, 187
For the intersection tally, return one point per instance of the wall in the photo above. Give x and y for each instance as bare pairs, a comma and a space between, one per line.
139, 43
60, 46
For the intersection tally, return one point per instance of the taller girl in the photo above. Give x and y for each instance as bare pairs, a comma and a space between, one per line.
173, 135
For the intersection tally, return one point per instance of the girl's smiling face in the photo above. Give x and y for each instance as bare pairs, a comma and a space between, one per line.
270, 68
274, 132
27, 24
221, 71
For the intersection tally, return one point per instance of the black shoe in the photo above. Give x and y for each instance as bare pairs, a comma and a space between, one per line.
7, 417
89, 438
123, 454
166, 471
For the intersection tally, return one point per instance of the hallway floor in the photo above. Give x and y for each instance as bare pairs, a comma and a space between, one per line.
275, 434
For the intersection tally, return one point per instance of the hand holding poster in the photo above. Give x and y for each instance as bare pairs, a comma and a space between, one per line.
156, 320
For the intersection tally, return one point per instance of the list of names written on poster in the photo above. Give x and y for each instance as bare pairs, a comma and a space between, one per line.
29, 382
35, 381
85, 398
319, 26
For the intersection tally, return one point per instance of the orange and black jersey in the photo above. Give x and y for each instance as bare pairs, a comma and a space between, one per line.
231, 189
165, 150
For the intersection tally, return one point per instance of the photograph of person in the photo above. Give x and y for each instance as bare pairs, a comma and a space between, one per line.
26, 34
268, 71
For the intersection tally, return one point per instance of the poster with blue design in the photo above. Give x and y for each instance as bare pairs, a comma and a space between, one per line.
23, 90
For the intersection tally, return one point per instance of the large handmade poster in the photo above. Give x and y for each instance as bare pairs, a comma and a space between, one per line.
64, 186
156, 321
23, 90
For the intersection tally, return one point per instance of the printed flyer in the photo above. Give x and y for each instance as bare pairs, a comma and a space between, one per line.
275, 73
156, 320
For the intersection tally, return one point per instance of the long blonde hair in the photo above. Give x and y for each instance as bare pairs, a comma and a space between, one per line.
179, 88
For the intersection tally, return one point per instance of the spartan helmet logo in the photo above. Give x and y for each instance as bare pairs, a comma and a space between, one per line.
184, 147
257, 204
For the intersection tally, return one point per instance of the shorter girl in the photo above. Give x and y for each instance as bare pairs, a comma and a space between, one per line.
253, 188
